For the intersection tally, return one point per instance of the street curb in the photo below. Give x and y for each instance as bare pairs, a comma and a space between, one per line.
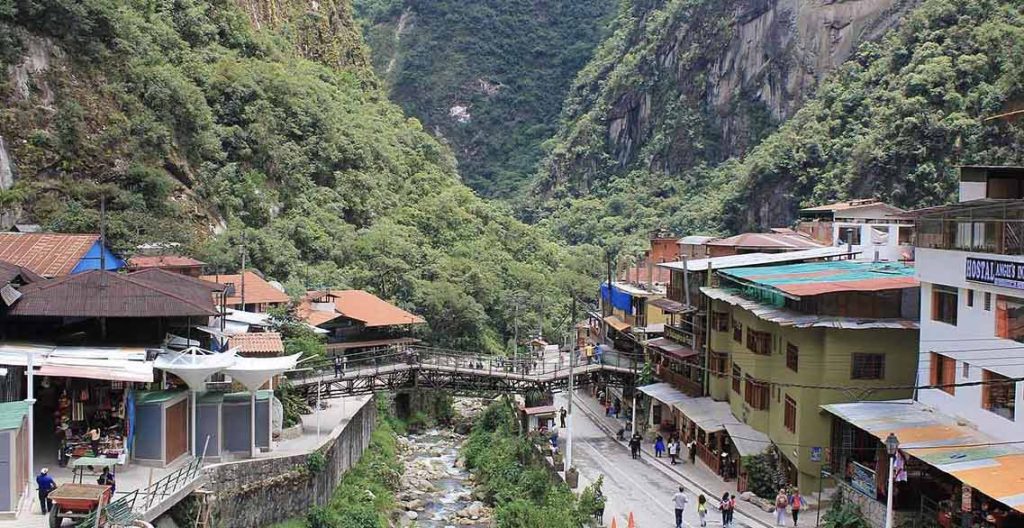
664, 467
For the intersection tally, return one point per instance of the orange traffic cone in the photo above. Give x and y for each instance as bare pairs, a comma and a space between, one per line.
614, 525
631, 523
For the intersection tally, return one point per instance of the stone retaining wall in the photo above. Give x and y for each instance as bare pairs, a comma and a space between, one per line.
258, 493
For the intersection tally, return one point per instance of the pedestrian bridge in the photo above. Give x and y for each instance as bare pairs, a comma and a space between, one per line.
408, 368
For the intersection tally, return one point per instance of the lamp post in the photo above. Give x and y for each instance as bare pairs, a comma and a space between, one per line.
892, 445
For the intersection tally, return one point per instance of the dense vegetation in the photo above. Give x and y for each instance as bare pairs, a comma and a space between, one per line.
511, 474
509, 63
892, 123
189, 120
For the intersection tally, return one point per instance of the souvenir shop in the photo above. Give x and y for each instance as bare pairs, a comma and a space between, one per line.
78, 418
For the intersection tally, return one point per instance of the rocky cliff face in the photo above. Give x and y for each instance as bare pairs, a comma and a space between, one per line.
684, 83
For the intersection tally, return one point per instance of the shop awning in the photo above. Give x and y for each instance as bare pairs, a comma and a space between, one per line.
101, 363
540, 411
748, 441
663, 392
671, 348
708, 414
616, 323
948, 444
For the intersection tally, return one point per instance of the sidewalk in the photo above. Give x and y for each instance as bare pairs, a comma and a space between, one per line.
697, 476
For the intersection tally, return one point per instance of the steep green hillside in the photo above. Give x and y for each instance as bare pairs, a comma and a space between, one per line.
489, 76
636, 151
260, 117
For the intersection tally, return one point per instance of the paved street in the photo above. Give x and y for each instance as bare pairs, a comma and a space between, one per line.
643, 487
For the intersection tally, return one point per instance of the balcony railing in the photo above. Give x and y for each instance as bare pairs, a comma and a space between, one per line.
1001, 237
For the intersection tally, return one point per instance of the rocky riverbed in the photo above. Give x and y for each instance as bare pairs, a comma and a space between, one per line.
436, 491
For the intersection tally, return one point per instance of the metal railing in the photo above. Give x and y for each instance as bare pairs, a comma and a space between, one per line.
527, 366
134, 504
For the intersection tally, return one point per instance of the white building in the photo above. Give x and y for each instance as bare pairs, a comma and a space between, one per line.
970, 261
869, 226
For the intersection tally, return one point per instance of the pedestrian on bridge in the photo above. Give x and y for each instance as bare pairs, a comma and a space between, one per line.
337, 367
679, 501
561, 416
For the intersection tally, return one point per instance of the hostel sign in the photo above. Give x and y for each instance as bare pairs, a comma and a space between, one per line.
995, 272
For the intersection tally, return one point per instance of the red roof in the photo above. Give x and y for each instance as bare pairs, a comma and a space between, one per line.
163, 261
768, 241
107, 294
257, 290
359, 305
12, 273
257, 344
46, 254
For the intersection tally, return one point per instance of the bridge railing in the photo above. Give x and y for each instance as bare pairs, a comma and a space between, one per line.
388, 359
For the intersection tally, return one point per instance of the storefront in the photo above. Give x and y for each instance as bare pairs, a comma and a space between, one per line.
703, 421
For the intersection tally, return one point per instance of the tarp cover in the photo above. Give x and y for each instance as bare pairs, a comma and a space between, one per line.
619, 298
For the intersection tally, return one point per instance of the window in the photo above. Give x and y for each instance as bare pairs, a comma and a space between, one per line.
1010, 318
719, 363
970, 298
720, 321
789, 416
943, 370
737, 331
849, 235
736, 375
998, 394
756, 393
988, 302
966, 370
792, 357
944, 304
759, 342
867, 366
906, 235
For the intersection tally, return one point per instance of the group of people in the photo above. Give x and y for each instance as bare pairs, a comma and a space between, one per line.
794, 502
674, 449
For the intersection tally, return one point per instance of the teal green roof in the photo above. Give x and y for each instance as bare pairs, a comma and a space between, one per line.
149, 397
816, 278
244, 396
12, 414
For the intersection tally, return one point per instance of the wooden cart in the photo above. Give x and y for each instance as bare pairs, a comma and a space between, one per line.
76, 501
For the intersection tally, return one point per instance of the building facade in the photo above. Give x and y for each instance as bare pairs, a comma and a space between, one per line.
872, 228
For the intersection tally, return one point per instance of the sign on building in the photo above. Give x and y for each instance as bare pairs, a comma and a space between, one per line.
863, 480
996, 272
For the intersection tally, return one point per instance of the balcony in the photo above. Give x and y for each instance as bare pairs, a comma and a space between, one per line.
995, 227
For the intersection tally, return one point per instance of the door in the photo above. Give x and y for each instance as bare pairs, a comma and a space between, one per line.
176, 443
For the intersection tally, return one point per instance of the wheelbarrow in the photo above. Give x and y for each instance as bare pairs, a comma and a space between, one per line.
77, 501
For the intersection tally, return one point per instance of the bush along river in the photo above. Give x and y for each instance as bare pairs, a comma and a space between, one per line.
435, 490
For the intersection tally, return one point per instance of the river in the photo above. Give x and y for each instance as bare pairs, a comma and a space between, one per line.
436, 491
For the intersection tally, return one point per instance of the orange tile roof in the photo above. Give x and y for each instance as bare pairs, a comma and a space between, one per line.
359, 305
257, 290
47, 254
257, 344
163, 261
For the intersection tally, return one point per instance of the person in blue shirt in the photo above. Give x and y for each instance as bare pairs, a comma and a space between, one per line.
46, 484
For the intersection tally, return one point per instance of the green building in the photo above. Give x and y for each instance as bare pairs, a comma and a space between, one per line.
784, 338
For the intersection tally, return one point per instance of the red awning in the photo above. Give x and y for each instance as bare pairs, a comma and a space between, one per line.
671, 348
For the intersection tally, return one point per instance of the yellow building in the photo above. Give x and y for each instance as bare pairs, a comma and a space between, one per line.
784, 338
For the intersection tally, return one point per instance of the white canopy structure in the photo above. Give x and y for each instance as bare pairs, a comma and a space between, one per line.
194, 366
253, 372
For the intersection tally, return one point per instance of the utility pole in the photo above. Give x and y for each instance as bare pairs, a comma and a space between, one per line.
242, 292
606, 308
515, 331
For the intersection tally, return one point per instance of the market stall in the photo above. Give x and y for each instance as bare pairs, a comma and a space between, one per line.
237, 415
13, 453
209, 424
161, 431
89, 417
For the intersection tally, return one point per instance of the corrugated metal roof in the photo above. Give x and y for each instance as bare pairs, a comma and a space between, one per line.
815, 278
107, 294
767, 241
257, 290
751, 259
15, 273
696, 240
710, 415
983, 462
12, 414
163, 261
748, 441
785, 317
663, 392
47, 254
851, 204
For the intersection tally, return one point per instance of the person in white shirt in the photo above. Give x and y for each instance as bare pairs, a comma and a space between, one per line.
679, 501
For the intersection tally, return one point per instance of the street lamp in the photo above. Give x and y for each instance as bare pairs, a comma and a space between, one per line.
892, 445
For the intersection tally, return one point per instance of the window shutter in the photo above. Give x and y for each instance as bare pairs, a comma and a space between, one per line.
933, 376
949, 373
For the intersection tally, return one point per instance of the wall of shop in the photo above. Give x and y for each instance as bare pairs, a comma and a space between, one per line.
270, 490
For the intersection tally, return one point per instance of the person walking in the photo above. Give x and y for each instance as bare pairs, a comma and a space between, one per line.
337, 367
693, 451
561, 416
732, 508
796, 502
702, 510
679, 502
659, 447
781, 501
45, 484
723, 506
634, 445
107, 479
673, 450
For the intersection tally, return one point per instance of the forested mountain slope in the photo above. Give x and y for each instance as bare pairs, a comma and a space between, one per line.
203, 120
651, 137
487, 76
